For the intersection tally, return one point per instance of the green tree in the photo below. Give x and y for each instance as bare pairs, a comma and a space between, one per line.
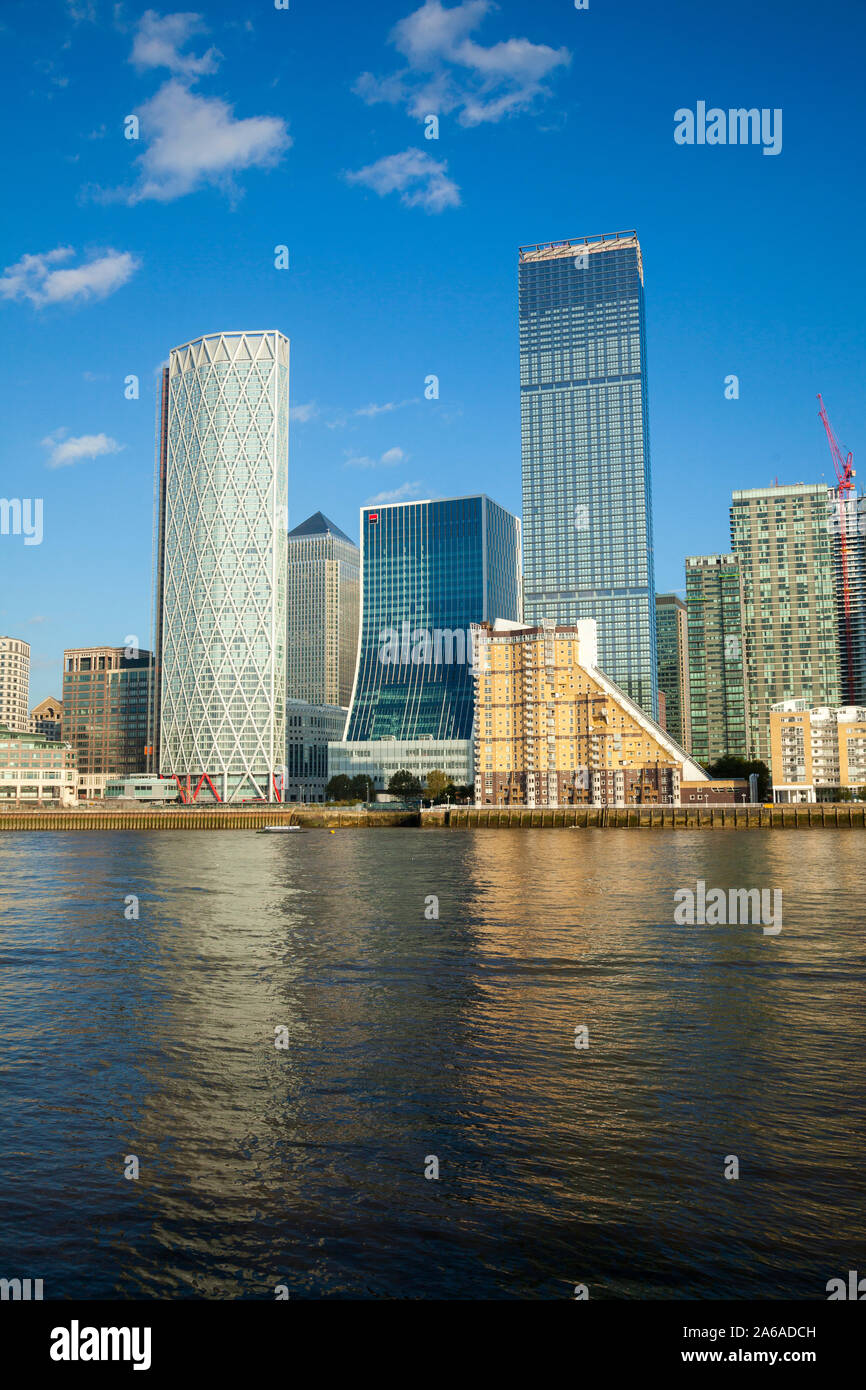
404, 784
362, 788
438, 784
339, 788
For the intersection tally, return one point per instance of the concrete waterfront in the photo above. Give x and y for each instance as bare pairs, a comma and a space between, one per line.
830, 815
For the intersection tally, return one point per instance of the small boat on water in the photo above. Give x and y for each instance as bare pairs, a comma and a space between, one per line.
281, 830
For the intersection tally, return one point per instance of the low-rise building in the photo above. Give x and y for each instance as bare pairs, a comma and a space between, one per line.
34, 770
380, 758
553, 730
817, 752
309, 730
47, 719
144, 786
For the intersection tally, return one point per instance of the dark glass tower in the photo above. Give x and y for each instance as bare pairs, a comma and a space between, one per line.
429, 571
587, 504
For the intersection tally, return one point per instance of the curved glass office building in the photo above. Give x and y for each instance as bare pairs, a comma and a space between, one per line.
221, 565
429, 571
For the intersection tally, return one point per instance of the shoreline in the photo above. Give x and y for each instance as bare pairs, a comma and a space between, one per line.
829, 815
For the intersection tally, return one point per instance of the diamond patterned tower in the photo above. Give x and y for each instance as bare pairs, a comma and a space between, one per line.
221, 566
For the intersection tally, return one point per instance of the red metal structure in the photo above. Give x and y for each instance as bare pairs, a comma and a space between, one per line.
844, 466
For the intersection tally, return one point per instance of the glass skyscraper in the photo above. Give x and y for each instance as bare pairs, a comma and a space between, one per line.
672, 638
221, 565
429, 571
716, 658
587, 505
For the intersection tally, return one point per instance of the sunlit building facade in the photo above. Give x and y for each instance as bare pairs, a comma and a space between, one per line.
324, 586
221, 569
587, 503
430, 571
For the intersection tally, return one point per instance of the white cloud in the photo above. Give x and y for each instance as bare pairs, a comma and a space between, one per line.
389, 459
420, 180
195, 140
448, 71
159, 39
35, 278
84, 446
372, 410
304, 413
399, 494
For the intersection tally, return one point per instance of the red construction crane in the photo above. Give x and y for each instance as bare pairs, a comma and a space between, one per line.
844, 466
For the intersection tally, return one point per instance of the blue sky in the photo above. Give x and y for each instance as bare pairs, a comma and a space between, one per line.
304, 127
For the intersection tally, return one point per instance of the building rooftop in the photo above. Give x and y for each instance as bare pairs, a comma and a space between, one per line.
606, 241
320, 525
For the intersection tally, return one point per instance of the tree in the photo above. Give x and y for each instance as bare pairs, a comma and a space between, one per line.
339, 788
743, 767
438, 783
361, 787
404, 784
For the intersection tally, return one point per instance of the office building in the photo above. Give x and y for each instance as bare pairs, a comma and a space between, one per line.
14, 683
817, 754
672, 660
221, 566
430, 570
790, 615
47, 719
309, 730
105, 713
587, 503
34, 769
324, 587
717, 683
847, 526
552, 730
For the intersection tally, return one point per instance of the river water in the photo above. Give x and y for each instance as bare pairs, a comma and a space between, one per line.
415, 1041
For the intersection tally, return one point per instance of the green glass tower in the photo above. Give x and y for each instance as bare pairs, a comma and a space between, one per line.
717, 688
786, 554
672, 646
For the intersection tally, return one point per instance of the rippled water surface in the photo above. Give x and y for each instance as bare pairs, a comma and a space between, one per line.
411, 1037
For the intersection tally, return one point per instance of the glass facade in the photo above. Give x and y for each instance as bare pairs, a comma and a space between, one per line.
717, 683
324, 580
429, 571
221, 579
105, 709
672, 646
587, 505
782, 538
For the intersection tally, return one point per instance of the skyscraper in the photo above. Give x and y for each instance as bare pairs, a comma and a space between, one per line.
105, 712
429, 571
790, 619
324, 581
587, 505
221, 565
14, 683
672, 646
717, 683
847, 524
